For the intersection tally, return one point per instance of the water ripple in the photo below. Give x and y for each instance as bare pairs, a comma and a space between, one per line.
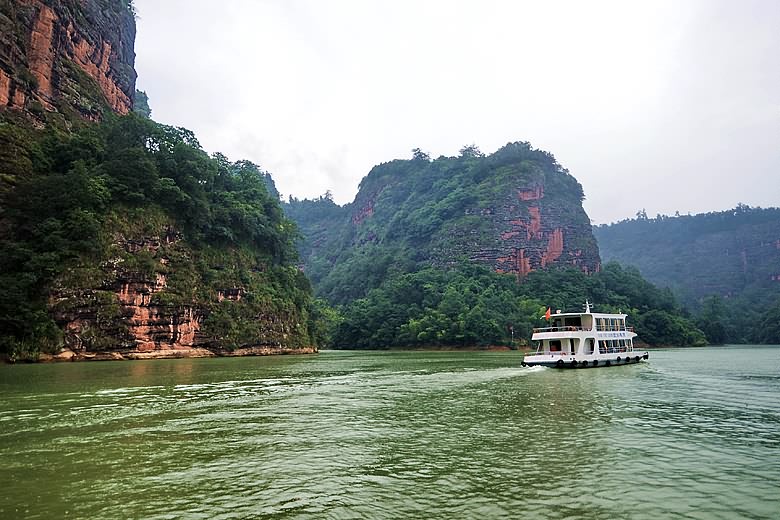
692, 434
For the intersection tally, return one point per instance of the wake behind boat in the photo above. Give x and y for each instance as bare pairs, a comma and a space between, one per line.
582, 340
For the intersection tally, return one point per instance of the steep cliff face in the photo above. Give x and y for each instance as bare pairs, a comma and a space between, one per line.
515, 211
73, 57
528, 232
131, 306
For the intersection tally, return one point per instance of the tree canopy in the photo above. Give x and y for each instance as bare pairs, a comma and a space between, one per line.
66, 197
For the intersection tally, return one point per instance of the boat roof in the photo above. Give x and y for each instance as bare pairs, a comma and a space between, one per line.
594, 314
588, 312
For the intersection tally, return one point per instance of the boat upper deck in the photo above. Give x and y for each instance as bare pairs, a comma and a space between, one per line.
585, 321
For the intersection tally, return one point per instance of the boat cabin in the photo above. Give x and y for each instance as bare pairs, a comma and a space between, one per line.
609, 334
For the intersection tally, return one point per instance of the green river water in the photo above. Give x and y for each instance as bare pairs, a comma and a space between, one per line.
690, 434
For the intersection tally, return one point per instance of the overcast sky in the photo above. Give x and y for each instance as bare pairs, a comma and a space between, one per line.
663, 105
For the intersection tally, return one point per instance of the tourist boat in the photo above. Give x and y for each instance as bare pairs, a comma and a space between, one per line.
583, 340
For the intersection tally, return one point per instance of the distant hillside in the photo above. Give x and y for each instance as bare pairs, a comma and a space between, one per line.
727, 253
514, 211
733, 256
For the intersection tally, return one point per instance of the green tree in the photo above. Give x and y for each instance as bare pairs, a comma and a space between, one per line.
712, 320
141, 104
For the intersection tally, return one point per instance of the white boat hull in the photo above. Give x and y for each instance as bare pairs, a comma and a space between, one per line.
588, 361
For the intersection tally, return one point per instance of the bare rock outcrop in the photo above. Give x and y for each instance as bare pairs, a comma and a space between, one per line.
73, 57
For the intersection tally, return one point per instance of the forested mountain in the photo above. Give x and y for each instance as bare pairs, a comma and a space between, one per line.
514, 211
466, 251
724, 266
121, 237
125, 238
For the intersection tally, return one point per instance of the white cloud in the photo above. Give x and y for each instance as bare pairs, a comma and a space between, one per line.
664, 105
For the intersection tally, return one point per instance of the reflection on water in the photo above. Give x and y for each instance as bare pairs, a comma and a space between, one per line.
691, 434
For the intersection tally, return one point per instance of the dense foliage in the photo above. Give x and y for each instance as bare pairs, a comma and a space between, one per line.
470, 305
141, 104
413, 214
66, 199
724, 266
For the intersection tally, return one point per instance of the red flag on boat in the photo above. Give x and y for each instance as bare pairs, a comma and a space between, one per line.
547, 314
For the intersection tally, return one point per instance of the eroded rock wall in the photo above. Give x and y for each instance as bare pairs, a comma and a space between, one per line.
535, 235
526, 231
127, 308
74, 57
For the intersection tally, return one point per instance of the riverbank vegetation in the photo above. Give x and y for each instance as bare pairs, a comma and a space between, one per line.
470, 305
72, 204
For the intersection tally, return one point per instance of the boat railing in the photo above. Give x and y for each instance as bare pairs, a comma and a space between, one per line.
602, 350
559, 329
541, 352
608, 329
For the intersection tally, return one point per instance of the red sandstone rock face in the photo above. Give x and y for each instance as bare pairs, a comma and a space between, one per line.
41, 52
5, 89
533, 235
363, 213
152, 326
122, 316
526, 194
123, 312
64, 36
554, 248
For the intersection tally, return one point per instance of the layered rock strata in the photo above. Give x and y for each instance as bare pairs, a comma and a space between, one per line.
75, 57
126, 313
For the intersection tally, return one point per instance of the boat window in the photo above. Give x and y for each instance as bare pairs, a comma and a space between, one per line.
575, 321
555, 346
599, 323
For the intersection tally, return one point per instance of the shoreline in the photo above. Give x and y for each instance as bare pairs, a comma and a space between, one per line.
434, 348
67, 355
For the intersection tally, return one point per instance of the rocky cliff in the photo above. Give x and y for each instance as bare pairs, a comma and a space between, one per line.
68, 57
154, 249
515, 211
133, 305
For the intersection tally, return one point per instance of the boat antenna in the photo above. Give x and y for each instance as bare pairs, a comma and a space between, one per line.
587, 306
